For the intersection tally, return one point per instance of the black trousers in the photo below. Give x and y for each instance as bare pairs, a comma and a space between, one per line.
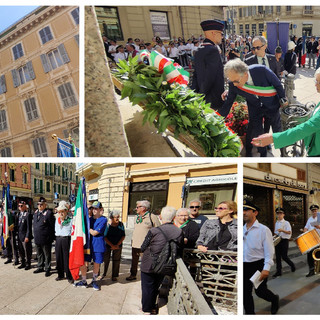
150, 284
135, 260
310, 261
116, 257
44, 256
249, 269
62, 256
282, 253
25, 251
9, 252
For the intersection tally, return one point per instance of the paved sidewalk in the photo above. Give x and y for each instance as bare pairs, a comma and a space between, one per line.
25, 293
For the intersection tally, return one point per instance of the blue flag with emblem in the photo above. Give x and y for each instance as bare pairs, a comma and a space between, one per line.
66, 149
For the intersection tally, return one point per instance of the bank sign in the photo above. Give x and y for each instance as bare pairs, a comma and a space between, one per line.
221, 179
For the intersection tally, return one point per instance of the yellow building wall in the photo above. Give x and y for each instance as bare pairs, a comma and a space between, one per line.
174, 195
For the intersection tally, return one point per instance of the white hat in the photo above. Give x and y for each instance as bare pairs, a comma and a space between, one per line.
62, 206
291, 45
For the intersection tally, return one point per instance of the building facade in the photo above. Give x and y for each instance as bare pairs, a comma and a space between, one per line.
251, 20
18, 176
293, 187
119, 185
144, 22
54, 182
39, 82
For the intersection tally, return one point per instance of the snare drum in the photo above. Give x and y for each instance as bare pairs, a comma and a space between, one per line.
276, 240
308, 241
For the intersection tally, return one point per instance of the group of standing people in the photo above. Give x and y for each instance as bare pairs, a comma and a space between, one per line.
188, 228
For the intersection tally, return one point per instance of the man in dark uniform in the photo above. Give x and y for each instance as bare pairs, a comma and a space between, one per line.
24, 225
208, 68
263, 92
43, 227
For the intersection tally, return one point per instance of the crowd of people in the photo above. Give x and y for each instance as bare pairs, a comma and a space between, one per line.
186, 226
259, 247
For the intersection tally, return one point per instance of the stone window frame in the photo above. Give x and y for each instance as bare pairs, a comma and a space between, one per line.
45, 36
76, 20
13, 51
46, 61
5, 152
68, 100
40, 143
33, 113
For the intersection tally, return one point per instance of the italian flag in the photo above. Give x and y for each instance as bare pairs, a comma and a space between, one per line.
79, 235
259, 91
7, 219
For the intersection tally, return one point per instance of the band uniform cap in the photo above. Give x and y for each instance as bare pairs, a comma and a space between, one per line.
212, 25
279, 210
97, 205
42, 199
22, 202
314, 206
248, 205
278, 49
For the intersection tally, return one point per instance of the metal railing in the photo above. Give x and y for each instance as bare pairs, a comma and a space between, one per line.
184, 296
216, 276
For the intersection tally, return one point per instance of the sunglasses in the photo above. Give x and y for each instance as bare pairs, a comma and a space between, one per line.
257, 47
20, 205
40, 204
220, 208
194, 207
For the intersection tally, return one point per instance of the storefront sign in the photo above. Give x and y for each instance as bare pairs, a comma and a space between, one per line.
221, 179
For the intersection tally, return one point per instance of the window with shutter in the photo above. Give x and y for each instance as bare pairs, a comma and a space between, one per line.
5, 152
75, 15
17, 51
31, 109
45, 35
3, 87
39, 147
67, 95
3, 120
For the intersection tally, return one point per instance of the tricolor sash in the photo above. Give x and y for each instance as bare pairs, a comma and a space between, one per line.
259, 91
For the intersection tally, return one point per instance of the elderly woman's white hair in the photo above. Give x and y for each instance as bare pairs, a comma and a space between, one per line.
183, 210
114, 213
144, 203
167, 214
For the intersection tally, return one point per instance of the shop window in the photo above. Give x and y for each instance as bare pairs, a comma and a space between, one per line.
155, 192
210, 196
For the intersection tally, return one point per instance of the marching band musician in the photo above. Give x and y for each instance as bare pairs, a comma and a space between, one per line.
283, 230
258, 250
312, 223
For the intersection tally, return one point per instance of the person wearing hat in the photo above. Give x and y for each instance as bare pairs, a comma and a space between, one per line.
120, 54
258, 250
24, 226
312, 223
283, 230
43, 229
290, 59
98, 225
63, 230
208, 75
279, 61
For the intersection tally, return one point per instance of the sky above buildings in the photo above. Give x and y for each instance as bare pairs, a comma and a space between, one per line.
11, 14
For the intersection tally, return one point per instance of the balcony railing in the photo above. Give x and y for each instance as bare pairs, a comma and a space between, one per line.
308, 12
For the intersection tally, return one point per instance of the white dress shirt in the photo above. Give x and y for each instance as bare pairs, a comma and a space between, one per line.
258, 244
285, 225
260, 61
309, 226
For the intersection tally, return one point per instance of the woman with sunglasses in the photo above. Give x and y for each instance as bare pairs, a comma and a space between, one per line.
221, 233
309, 131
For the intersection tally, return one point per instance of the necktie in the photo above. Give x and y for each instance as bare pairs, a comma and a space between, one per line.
264, 61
